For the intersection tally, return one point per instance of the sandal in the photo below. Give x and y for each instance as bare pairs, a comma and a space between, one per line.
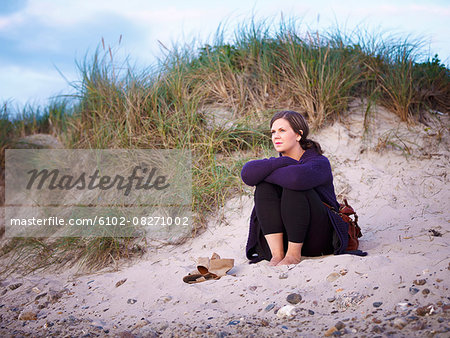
209, 268
198, 277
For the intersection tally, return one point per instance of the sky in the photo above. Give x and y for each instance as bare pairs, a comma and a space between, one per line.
41, 41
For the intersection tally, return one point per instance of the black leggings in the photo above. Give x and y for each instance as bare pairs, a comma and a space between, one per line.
299, 215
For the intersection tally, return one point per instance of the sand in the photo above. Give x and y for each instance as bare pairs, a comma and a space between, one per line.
399, 289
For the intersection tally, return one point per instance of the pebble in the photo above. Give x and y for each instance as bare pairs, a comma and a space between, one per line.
4, 292
331, 299
330, 331
425, 310
399, 323
333, 276
36, 290
339, 325
119, 283
419, 282
294, 298
199, 330
377, 329
252, 288
40, 295
214, 301
131, 301
53, 296
412, 318
234, 322
283, 275
166, 298
311, 312
270, 307
28, 315
377, 304
15, 286
286, 311
425, 291
413, 291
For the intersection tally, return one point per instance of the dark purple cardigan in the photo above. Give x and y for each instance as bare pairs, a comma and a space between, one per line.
312, 171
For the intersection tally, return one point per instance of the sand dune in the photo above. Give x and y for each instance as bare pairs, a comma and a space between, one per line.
399, 289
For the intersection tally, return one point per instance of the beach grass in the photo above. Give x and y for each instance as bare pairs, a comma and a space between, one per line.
215, 99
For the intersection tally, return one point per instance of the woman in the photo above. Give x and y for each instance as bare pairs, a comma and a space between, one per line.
289, 219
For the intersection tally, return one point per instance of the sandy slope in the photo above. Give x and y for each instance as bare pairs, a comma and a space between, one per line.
399, 199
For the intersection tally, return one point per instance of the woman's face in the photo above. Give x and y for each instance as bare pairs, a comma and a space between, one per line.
284, 138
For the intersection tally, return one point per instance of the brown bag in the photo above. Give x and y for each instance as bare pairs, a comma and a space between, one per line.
354, 231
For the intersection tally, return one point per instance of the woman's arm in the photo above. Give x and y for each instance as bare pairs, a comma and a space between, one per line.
302, 176
256, 171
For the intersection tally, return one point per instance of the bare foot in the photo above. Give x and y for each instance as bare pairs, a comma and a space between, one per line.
289, 260
275, 260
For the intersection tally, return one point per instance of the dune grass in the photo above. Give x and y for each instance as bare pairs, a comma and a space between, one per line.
176, 105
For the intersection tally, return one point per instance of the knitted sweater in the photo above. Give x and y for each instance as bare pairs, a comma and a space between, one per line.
312, 171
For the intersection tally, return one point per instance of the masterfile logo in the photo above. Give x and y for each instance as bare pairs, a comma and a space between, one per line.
97, 192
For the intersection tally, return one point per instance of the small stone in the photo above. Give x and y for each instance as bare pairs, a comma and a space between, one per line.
412, 318
419, 282
311, 312
399, 323
252, 288
166, 299
199, 330
333, 276
119, 283
270, 307
40, 296
286, 311
413, 291
376, 320
377, 329
283, 275
234, 322
126, 334
53, 296
403, 306
330, 331
15, 286
131, 301
36, 290
294, 298
331, 299
28, 315
425, 291
425, 310
339, 325
343, 272
214, 301
264, 323
4, 292
377, 304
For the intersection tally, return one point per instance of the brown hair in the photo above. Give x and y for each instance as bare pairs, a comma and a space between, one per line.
300, 126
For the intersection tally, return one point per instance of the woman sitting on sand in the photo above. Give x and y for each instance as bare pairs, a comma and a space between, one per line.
289, 219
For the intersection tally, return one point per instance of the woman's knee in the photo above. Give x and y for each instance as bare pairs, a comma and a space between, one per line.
264, 189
